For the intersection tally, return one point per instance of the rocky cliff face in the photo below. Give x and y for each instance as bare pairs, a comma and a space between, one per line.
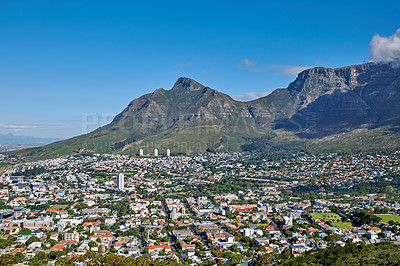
329, 101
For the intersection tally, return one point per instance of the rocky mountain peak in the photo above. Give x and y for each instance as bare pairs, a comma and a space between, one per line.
187, 84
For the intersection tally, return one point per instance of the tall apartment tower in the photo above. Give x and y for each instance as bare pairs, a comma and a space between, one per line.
141, 152
155, 152
120, 181
168, 152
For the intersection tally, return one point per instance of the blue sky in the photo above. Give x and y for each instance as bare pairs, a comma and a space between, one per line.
67, 67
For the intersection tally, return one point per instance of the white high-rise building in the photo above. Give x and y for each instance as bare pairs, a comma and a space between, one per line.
120, 181
155, 152
141, 152
168, 152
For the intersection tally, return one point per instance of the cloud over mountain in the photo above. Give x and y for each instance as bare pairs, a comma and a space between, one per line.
386, 49
250, 96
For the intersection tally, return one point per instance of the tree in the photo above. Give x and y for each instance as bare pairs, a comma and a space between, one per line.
361, 217
229, 215
5, 243
162, 252
286, 254
8, 259
333, 238
31, 240
20, 257
235, 248
25, 231
92, 244
389, 189
52, 242
261, 260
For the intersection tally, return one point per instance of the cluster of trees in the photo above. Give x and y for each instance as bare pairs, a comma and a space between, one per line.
352, 254
39, 259
381, 185
111, 259
6, 242
228, 185
130, 232
122, 208
34, 172
233, 258
361, 217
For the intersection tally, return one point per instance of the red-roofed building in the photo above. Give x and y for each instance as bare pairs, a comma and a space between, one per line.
89, 224
57, 248
155, 248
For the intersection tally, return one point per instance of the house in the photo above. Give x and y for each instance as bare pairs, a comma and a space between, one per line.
372, 235
299, 249
57, 248
261, 241
182, 234
35, 245
104, 236
158, 248
251, 232
287, 221
72, 236
86, 225
18, 201
227, 245
19, 250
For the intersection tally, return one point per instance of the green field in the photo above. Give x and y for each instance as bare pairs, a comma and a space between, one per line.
59, 207
387, 217
262, 225
342, 225
325, 216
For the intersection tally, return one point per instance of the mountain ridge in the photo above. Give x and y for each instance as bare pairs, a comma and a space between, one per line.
190, 117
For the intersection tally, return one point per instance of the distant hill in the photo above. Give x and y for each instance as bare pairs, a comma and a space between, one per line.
352, 108
11, 139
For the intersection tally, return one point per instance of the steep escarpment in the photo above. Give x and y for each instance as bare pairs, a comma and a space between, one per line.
330, 101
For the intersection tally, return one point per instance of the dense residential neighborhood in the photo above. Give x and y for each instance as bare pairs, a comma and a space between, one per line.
201, 209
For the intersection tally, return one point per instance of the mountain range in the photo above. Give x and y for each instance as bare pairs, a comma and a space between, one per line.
352, 108
11, 139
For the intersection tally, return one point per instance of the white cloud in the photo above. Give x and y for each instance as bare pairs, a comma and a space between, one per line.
385, 49
20, 127
183, 66
37, 129
207, 71
250, 96
284, 70
245, 63
187, 64
287, 70
249, 65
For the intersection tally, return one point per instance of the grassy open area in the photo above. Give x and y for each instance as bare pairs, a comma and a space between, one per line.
325, 216
59, 207
262, 225
4, 166
104, 178
342, 225
387, 217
